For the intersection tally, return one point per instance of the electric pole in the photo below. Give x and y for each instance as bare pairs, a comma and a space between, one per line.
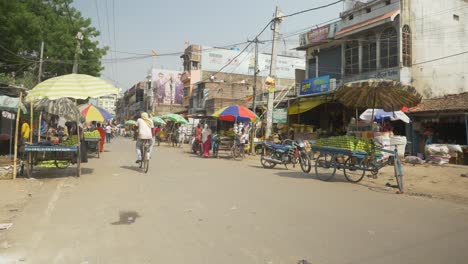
39, 75
79, 38
274, 53
254, 94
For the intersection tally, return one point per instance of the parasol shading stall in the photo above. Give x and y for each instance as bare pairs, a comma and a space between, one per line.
388, 95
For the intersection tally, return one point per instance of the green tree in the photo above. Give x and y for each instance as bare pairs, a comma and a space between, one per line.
25, 23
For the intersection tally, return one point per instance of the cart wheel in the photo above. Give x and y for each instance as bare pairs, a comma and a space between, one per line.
353, 170
325, 167
305, 163
60, 164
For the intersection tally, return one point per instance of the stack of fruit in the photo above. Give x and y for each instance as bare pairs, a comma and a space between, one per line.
345, 142
71, 141
92, 134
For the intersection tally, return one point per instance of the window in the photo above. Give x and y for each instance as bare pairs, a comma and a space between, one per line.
369, 54
351, 17
456, 17
352, 57
388, 2
389, 48
368, 10
406, 47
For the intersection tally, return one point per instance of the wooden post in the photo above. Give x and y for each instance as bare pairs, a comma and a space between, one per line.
78, 158
39, 128
18, 113
31, 134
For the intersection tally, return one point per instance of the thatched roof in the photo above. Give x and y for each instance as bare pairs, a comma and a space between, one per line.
448, 103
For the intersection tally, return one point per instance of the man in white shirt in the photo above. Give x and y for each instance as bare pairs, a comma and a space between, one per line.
108, 129
145, 132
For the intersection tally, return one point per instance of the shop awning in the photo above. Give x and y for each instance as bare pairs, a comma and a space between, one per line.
305, 105
388, 17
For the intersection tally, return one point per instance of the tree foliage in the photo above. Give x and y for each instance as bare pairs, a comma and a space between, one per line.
24, 24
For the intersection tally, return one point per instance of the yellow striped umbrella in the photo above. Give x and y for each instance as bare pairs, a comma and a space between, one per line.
78, 86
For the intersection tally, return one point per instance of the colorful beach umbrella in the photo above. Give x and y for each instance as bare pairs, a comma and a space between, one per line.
236, 113
78, 86
158, 120
94, 113
175, 118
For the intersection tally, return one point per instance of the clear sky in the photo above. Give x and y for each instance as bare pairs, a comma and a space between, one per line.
165, 26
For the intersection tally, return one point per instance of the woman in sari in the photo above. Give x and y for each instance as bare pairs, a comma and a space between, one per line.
206, 139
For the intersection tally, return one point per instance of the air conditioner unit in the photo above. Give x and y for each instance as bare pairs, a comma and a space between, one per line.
332, 84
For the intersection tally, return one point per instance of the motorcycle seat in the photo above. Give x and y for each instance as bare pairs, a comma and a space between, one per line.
275, 146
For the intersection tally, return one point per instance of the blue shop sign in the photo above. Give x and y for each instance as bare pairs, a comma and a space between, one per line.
315, 85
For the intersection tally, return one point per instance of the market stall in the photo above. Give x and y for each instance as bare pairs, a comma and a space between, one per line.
361, 152
235, 139
76, 86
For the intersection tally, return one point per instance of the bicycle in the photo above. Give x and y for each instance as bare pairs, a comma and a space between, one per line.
238, 149
145, 154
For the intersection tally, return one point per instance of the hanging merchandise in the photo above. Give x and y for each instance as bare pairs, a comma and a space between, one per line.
270, 84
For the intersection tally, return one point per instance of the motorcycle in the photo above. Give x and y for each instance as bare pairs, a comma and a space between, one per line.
290, 152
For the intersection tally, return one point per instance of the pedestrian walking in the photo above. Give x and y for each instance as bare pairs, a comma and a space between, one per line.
102, 132
108, 133
206, 139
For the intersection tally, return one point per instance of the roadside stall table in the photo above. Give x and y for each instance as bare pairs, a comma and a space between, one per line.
37, 153
92, 144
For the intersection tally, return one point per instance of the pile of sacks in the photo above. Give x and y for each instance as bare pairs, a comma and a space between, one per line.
439, 154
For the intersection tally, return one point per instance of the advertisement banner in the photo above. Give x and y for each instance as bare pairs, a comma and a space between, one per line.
214, 59
168, 88
280, 115
315, 85
318, 34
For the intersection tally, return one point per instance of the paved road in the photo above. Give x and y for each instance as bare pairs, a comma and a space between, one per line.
193, 210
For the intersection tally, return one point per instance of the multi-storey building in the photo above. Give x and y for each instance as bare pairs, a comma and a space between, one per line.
417, 42
217, 77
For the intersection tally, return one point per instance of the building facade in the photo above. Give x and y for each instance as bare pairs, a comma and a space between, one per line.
416, 42
217, 77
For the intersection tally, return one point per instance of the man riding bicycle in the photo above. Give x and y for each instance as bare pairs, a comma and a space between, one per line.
145, 133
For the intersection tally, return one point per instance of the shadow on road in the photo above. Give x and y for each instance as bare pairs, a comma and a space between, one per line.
311, 175
132, 168
51, 173
126, 218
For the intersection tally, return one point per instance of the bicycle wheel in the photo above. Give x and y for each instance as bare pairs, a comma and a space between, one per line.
235, 152
143, 156
353, 170
324, 167
146, 165
399, 175
304, 161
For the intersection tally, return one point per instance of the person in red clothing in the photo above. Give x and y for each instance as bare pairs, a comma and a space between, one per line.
102, 132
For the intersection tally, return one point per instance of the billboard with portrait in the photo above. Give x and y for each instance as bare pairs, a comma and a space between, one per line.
168, 89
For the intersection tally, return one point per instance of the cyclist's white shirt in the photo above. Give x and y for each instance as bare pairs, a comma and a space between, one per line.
144, 131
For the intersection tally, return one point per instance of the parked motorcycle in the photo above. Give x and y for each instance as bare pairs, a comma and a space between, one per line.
290, 152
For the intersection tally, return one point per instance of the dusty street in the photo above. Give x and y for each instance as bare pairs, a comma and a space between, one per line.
193, 210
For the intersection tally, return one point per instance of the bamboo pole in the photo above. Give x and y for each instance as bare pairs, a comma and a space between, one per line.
78, 158
31, 130
39, 128
18, 113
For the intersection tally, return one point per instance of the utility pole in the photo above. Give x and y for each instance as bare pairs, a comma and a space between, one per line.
254, 94
39, 75
274, 53
79, 38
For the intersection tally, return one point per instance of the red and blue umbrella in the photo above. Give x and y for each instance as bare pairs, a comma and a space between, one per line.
236, 113
94, 113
